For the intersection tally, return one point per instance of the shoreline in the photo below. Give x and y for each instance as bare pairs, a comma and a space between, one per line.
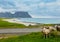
19, 22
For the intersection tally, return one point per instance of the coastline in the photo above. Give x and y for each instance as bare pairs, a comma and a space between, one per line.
19, 22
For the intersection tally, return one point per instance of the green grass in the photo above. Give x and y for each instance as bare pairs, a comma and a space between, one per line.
5, 24
33, 37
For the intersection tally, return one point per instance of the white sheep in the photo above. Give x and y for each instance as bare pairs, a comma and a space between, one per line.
52, 28
46, 32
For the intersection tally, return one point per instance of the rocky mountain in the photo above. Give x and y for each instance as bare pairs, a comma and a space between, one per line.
18, 14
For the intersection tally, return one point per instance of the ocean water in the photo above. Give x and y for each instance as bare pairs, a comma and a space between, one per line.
41, 20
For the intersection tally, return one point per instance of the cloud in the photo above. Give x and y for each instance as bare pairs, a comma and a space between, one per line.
36, 8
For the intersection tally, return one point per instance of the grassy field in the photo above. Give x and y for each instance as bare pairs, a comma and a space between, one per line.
33, 37
5, 24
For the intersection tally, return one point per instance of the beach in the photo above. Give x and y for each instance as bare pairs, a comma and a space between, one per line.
19, 22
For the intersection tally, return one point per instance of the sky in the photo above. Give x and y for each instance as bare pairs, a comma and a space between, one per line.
36, 8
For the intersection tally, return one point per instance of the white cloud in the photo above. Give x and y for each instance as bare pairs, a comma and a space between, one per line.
6, 10
36, 8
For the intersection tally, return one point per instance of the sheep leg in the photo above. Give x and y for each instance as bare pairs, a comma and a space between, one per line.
48, 35
45, 36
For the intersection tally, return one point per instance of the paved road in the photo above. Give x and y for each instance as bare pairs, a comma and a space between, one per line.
24, 30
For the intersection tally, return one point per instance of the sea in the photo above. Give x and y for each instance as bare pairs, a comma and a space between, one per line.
41, 20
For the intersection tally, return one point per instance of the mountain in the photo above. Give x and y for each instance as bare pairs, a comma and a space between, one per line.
17, 14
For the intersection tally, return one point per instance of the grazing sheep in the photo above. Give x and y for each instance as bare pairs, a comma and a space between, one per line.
46, 32
52, 28
57, 27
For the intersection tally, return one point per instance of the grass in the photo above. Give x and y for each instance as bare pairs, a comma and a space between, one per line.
5, 24
33, 37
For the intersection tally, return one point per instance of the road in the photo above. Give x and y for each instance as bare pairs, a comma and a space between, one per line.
21, 30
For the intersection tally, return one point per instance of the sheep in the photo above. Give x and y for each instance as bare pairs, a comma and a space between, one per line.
52, 28
46, 32
57, 27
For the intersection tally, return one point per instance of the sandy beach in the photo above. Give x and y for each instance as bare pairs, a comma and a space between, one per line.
19, 22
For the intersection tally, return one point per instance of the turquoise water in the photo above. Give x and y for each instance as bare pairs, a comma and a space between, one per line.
41, 20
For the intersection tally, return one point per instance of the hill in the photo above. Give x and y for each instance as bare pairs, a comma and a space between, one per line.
17, 14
